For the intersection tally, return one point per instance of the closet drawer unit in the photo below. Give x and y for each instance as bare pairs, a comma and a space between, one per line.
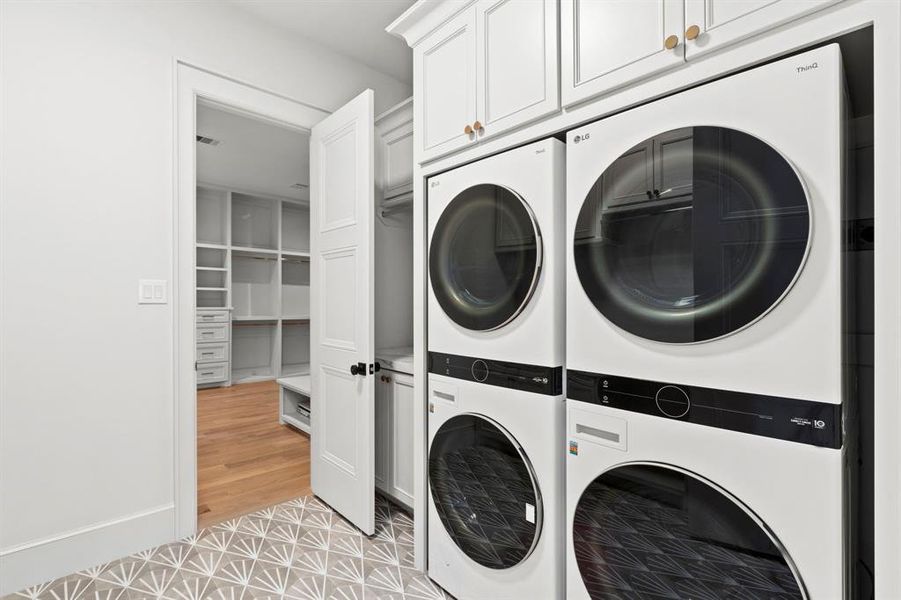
214, 332
212, 316
209, 353
212, 372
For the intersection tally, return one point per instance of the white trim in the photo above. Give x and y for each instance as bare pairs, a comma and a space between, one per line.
37, 561
192, 84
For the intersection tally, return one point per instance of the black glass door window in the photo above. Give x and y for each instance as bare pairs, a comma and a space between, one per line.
484, 491
484, 257
645, 531
692, 235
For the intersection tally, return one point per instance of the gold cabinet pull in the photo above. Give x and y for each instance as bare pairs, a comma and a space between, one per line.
477, 126
467, 130
671, 42
692, 32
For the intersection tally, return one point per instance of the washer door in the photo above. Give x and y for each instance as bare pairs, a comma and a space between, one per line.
485, 257
692, 235
647, 530
485, 491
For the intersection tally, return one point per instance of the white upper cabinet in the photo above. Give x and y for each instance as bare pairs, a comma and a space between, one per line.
516, 62
489, 68
609, 43
712, 24
445, 85
394, 150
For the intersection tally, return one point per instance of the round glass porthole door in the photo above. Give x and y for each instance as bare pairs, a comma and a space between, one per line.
651, 531
485, 257
692, 235
484, 491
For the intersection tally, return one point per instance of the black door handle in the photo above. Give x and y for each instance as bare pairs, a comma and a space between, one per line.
358, 369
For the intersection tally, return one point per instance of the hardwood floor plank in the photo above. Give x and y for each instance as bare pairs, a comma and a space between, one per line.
245, 459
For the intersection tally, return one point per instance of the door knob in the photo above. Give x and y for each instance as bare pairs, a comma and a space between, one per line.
358, 369
671, 42
477, 126
467, 130
692, 32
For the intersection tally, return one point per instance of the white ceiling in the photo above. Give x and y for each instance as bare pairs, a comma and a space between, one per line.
354, 28
253, 156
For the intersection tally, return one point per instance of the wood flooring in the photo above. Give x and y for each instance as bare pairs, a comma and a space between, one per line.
246, 460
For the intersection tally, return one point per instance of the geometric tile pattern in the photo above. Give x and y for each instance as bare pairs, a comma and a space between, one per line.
298, 550
630, 545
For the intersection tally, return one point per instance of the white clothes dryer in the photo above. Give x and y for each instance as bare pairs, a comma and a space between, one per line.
704, 234
686, 492
496, 479
496, 257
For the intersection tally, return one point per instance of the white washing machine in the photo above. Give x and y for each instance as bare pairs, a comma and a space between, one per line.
731, 504
496, 257
704, 234
496, 487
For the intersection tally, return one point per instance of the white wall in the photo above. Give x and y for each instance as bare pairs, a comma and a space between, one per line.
86, 195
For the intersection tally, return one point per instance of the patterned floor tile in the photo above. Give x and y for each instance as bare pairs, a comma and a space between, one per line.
298, 550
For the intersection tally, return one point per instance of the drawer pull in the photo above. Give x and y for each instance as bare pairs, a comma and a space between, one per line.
208, 373
610, 436
206, 354
207, 333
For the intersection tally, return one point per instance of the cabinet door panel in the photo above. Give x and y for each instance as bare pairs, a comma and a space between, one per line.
516, 62
609, 43
382, 433
723, 22
445, 74
403, 411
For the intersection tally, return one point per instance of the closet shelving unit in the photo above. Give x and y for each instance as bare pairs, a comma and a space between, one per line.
253, 261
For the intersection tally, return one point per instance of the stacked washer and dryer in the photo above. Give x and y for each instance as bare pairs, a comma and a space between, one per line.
709, 445
496, 406
704, 449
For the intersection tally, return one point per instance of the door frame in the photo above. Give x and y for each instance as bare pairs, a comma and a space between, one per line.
194, 84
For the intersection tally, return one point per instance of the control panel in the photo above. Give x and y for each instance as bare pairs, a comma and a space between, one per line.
517, 376
791, 419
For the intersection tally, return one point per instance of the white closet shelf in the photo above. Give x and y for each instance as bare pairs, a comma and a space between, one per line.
212, 289
295, 369
296, 318
289, 254
254, 252
211, 246
246, 318
221, 269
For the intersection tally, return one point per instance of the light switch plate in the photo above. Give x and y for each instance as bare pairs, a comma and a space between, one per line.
153, 291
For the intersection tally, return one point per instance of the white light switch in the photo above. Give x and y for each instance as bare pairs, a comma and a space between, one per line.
152, 291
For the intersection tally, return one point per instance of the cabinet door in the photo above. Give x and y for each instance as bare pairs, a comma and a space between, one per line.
402, 412
382, 432
722, 22
445, 86
516, 62
609, 43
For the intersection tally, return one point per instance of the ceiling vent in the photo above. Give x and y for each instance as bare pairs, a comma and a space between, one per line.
299, 186
202, 139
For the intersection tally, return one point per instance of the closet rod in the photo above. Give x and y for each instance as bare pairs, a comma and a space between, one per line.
395, 204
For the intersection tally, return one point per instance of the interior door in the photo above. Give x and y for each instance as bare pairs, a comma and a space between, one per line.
342, 358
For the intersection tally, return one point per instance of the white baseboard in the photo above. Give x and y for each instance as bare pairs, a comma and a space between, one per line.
39, 561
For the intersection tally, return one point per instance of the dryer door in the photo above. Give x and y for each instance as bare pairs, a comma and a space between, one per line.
485, 491
692, 235
485, 257
657, 531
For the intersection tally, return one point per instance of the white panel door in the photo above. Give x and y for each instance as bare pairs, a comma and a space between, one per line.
609, 43
445, 86
722, 22
341, 320
516, 50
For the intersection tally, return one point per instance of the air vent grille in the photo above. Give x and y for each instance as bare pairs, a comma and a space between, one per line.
202, 139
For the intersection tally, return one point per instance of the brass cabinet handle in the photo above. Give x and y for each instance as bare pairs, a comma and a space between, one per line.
467, 130
387, 380
692, 32
671, 42
477, 126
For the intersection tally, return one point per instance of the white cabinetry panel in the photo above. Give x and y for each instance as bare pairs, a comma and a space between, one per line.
516, 61
609, 43
395, 410
445, 78
722, 22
